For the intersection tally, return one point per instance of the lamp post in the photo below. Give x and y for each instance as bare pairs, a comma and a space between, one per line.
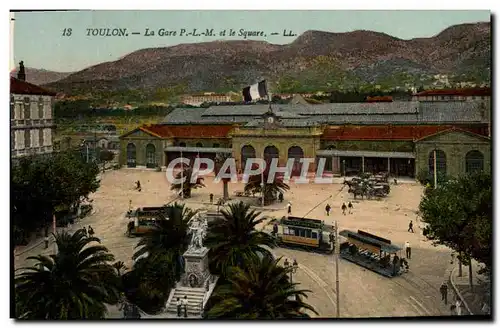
343, 164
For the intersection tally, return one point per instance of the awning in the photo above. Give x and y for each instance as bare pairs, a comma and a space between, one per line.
200, 150
364, 153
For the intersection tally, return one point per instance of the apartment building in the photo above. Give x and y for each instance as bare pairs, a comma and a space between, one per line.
31, 117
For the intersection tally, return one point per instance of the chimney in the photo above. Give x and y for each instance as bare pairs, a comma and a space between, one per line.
21, 74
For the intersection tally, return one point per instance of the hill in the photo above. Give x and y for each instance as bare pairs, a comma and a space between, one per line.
314, 60
41, 76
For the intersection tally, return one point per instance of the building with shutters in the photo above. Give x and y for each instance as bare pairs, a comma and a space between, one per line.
396, 137
31, 118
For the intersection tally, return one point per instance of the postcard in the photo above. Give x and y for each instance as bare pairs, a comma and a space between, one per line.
251, 164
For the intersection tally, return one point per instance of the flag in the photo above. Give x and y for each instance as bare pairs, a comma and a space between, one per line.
255, 91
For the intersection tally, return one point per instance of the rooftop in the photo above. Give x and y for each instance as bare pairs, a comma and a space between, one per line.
25, 88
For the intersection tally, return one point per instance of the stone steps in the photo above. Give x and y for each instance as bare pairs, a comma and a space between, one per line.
195, 300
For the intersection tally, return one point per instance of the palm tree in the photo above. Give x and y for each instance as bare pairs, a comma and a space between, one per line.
187, 186
159, 262
75, 283
233, 239
254, 185
261, 290
220, 159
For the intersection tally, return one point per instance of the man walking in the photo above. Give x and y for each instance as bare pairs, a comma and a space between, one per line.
185, 306
407, 250
350, 207
179, 306
444, 293
343, 208
410, 226
46, 239
211, 198
289, 207
327, 209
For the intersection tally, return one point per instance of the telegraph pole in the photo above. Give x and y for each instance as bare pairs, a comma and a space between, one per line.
337, 251
182, 177
435, 170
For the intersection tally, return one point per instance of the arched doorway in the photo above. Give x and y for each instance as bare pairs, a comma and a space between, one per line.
440, 162
270, 152
247, 152
151, 156
131, 155
296, 153
474, 161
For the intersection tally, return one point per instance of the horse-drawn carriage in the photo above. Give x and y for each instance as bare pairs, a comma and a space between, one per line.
369, 185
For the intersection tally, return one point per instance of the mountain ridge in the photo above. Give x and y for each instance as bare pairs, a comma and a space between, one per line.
353, 56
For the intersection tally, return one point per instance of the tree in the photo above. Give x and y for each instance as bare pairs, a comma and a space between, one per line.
254, 185
159, 262
220, 159
233, 239
105, 156
187, 185
75, 283
58, 182
260, 290
459, 215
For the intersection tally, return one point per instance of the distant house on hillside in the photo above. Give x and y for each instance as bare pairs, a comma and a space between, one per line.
453, 94
207, 97
379, 99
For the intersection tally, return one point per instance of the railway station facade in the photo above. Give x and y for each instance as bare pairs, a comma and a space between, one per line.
396, 137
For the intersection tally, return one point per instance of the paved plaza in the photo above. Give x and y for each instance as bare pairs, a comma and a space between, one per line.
362, 293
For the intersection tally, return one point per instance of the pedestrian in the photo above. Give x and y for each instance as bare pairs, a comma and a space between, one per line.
211, 198
410, 226
185, 306
327, 209
91, 231
453, 310
139, 188
350, 207
444, 293
179, 306
407, 250
280, 197
289, 208
343, 208
395, 265
458, 304
275, 229
46, 239
85, 231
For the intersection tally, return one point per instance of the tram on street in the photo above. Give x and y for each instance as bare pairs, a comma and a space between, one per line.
372, 252
142, 220
305, 233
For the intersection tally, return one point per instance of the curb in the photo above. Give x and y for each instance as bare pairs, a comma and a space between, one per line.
457, 292
29, 249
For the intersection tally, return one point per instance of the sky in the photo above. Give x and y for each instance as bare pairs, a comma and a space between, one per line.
39, 41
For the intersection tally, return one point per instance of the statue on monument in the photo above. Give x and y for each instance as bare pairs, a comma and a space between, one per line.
198, 229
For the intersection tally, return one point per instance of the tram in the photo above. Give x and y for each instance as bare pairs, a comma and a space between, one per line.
143, 220
305, 233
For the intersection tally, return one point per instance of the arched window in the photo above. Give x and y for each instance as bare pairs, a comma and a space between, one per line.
151, 156
247, 152
270, 152
474, 161
182, 144
131, 155
296, 153
216, 145
440, 162
199, 144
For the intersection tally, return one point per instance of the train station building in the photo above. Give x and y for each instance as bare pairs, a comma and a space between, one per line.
396, 137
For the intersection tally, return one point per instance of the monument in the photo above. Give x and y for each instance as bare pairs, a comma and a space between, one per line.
196, 283
196, 273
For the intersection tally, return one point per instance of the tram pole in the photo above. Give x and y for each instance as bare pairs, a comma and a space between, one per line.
182, 177
337, 251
